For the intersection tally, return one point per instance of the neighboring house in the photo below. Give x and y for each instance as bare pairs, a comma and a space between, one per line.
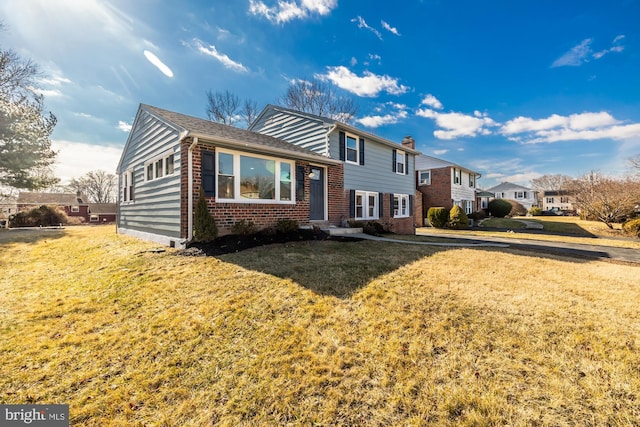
8, 206
523, 195
483, 198
379, 175
170, 157
558, 200
445, 184
102, 213
75, 205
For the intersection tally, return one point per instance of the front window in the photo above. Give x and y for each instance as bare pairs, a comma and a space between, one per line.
564, 200
425, 178
75, 208
351, 147
457, 178
468, 207
520, 194
400, 205
472, 180
549, 199
366, 205
400, 162
248, 178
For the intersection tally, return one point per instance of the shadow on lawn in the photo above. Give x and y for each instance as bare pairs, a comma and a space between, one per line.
30, 235
339, 268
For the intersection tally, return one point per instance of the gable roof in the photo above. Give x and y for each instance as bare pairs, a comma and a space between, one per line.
507, 186
63, 199
427, 162
329, 124
102, 208
231, 136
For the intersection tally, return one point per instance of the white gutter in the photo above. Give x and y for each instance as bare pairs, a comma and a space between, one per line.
190, 191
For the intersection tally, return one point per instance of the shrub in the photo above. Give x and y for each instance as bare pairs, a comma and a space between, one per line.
632, 227
355, 224
499, 208
287, 225
517, 209
438, 217
244, 227
457, 219
43, 216
204, 226
535, 211
478, 215
372, 227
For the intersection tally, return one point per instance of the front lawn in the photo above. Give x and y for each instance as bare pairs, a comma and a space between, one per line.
315, 333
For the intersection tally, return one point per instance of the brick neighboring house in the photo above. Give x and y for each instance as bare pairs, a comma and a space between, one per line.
102, 213
169, 157
75, 205
445, 184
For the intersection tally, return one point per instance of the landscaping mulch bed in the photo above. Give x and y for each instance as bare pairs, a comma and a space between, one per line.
232, 243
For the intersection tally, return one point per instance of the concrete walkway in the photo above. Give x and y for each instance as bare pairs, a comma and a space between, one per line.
575, 250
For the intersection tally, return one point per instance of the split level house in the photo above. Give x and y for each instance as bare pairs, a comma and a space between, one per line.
289, 165
445, 184
523, 195
378, 174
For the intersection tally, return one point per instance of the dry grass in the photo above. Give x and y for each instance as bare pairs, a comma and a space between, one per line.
316, 333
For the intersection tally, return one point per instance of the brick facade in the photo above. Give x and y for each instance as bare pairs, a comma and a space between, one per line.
263, 215
404, 225
438, 193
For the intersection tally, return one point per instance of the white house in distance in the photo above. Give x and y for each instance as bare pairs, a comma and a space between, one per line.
523, 195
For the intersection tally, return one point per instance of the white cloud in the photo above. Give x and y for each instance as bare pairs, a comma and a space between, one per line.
432, 102
77, 158
285, 11
457, 125
582, 53
374, 57
363, 24
47, 93
158, 63
440, 152
586, 126
353, 61
389, 28
377, 120
124, 126
224, 59
369, 85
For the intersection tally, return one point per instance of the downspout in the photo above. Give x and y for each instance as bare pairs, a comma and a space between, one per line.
190, 191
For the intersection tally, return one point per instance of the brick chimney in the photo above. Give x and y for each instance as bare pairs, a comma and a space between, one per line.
409, 142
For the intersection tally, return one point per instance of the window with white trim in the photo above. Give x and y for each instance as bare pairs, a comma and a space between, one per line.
127, 186
400, 205
549, 199
472, 180
400, 159
94, 218
75, 208
468, 207
366, 205
160, 166
457, 176
351, 148
424, 178
521, 194
253, 178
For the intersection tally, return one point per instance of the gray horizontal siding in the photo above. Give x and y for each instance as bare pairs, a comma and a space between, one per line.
303, 132
156, 205
377, 172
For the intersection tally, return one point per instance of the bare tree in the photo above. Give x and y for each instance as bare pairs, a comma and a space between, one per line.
635, 162
317, 97
606, 199
551, 182
250, 111
226, 108
99, 186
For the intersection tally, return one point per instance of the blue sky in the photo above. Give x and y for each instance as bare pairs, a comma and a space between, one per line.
511, 89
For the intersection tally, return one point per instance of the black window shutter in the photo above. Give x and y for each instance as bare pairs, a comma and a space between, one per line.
352, 203
406, 163
391, 201
394, 159
341, 146
300, 173
410, 204
362, 151
380, 209
208, 173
